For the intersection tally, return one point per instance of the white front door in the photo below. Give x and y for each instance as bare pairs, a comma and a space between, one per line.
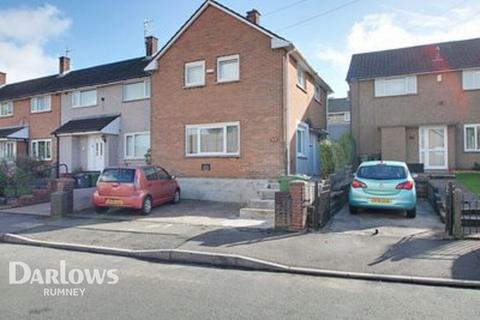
433, 146
96, 153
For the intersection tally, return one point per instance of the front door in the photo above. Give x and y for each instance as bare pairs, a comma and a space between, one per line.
434, 147
96, 153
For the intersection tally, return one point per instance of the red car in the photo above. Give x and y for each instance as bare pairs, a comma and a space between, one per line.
138, 188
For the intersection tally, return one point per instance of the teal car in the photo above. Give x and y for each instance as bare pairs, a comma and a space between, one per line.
383, 185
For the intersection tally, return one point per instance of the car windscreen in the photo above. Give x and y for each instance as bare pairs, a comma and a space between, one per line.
118, 175
382, 172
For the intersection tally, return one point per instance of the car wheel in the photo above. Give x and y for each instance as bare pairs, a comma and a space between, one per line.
176, 197
353, 210
147, 206
412, 213
101, 210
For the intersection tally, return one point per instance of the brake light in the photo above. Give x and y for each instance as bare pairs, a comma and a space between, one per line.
407, 185
358, 184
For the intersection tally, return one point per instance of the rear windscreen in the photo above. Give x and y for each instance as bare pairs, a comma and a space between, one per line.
118, 175
382, 172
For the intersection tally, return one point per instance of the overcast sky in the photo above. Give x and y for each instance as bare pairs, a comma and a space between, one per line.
34, 33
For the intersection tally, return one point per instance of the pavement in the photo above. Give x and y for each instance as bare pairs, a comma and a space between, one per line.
148, 290
374, 242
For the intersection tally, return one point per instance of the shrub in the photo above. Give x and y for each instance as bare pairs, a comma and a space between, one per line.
339, 159
326, 157
348, 145
476, 166
148, 156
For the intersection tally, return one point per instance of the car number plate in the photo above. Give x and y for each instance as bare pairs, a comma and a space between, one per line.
114, 202
381, 200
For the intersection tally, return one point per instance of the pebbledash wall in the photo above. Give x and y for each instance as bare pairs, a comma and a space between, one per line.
255, 101
134, 118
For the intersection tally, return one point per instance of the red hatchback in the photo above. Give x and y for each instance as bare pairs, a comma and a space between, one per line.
138, 188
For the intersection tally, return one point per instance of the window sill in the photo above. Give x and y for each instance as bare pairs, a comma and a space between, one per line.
7, 116
203, 156
194, 86
135, 100
89, 106
302, 88
472, 89
35, 112
130, 158
301, 156
227, 81
471, 151
396, 96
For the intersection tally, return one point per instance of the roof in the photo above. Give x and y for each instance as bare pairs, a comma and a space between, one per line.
8, 132
90, 124
102, 74
338, 105
280, 42
453, 55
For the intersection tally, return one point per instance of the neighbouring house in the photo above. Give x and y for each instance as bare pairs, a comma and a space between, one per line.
338, 117
418, 104
86, 119
234, 105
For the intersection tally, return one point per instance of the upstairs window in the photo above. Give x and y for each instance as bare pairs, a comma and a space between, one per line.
136, 90
318, 93
40, 104
219, 139
6, 109
471, 79
472, 137
195, 74
395, 86
228, 68
301, 82
84, 98
42, 149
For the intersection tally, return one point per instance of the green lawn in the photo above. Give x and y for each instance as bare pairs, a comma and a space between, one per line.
471, 180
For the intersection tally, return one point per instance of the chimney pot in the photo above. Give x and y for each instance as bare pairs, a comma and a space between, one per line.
3, 78
63, 65
151, 45
254, 16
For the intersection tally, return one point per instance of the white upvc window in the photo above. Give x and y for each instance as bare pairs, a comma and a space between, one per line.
41, 104
318, 93
195, 73
8, 150
472, 137
301, 141
346, 117
228, 68
84, 98
216, 139
42, 149
137, 145
6, 108
301, 81
136, 90
395, 86
471, 79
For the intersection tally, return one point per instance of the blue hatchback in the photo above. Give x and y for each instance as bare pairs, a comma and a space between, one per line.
383, 185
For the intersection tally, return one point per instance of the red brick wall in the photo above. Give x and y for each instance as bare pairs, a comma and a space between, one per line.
256, 101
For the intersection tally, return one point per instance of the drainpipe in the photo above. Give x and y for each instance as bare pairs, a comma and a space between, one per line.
286, 103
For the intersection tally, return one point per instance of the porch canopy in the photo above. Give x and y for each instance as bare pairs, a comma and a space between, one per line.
108, 124
14, 133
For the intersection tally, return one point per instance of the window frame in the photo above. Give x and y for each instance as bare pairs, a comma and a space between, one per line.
37, 141
476, 132
227, 58
9, 103
317, 93
380, 92
133, 134
79, 98
476, 73
49, 103
223, 125
301, 71
14, 149
194, 64
303, 128
147, 90
346, 116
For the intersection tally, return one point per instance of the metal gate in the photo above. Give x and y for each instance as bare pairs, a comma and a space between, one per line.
463, 213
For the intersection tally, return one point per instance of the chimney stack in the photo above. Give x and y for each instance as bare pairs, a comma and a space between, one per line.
63, 65
3, 78
151, 45
254, 16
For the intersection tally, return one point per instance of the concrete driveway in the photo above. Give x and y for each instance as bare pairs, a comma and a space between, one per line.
426, 224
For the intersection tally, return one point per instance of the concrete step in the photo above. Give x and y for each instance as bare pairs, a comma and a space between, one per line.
256, 213
267, 194
261, 204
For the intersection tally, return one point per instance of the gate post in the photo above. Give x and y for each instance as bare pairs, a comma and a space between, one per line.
448, 207
457, 206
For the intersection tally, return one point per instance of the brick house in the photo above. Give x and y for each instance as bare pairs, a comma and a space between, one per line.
418, 104
233, 105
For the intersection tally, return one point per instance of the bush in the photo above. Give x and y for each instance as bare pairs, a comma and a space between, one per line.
348, 145
476, 166
326, 157
339, 159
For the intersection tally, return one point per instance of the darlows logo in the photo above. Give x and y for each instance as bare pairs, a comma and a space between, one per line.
21, 273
